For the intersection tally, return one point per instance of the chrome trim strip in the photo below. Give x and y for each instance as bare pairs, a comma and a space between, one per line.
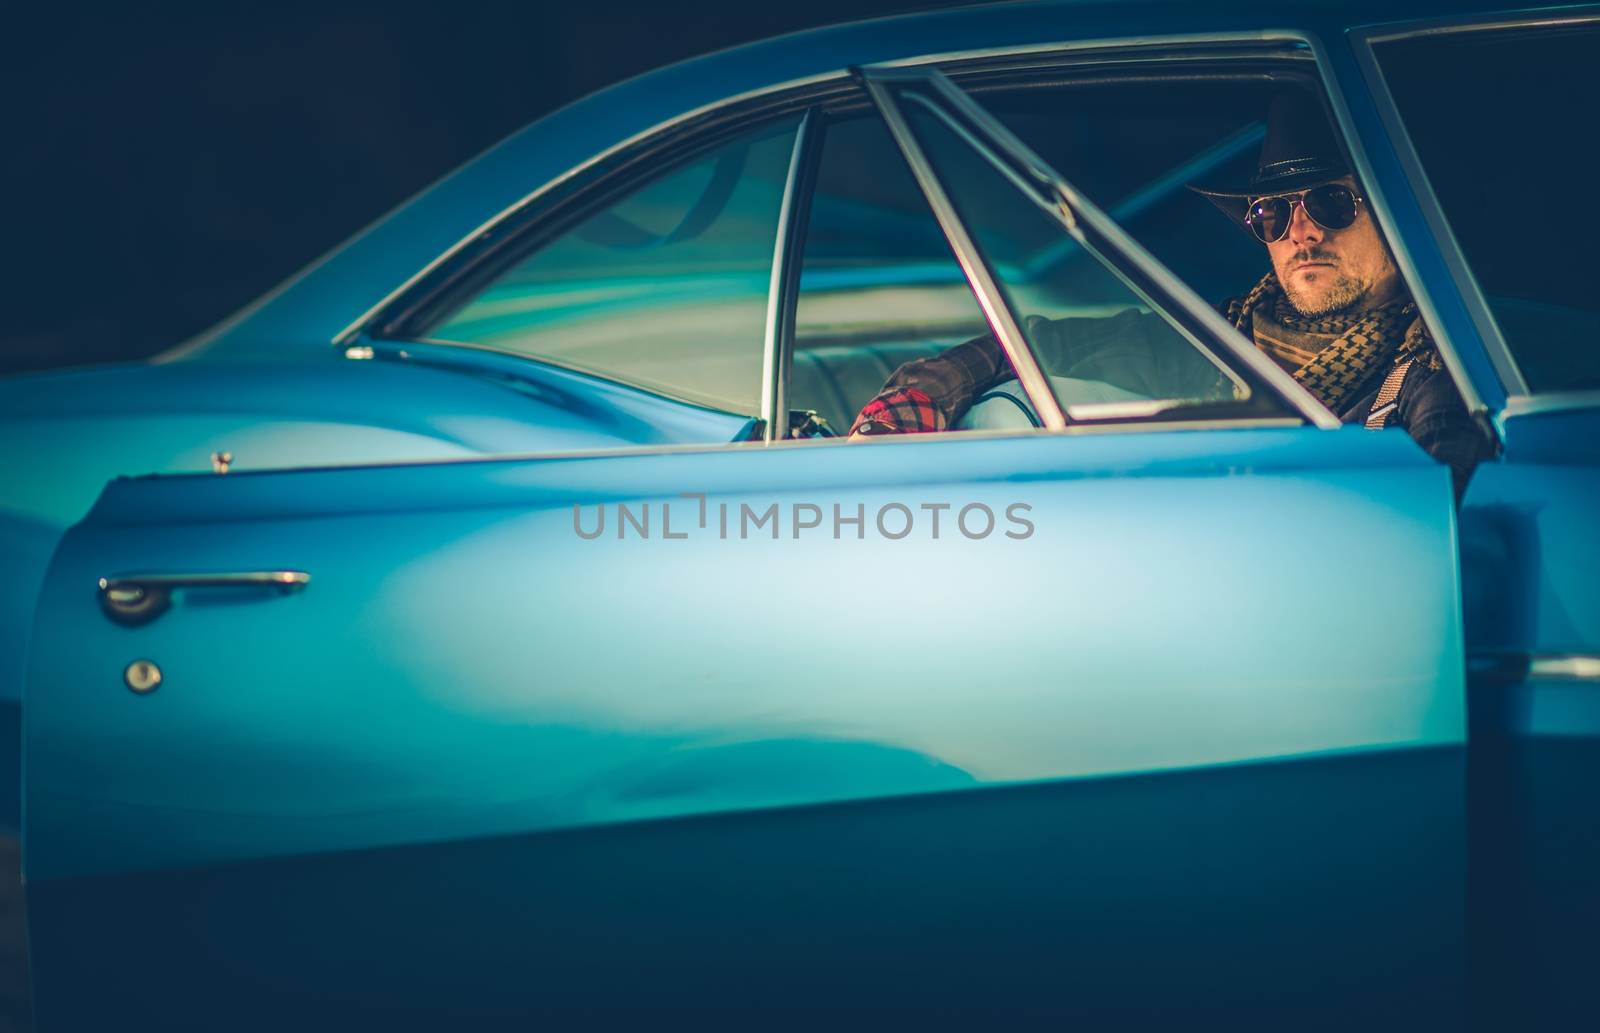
1119, 410
137, 599
1555, 401
713, 447
1511, 379
1077, 206
1463, 23
1565, 667
1023, 362
1068, 46
777, 347
288, 580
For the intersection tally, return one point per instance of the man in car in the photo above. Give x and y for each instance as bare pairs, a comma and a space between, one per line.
1333, 312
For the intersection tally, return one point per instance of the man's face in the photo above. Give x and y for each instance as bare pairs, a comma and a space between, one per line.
1325, 272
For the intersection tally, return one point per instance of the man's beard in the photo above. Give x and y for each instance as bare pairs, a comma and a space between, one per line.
1337, 298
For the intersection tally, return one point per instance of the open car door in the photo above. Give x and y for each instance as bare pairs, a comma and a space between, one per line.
1161, 723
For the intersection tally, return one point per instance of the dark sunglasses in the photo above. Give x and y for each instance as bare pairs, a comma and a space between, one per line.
1331, 206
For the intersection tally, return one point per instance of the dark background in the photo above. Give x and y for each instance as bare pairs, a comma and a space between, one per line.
164, 168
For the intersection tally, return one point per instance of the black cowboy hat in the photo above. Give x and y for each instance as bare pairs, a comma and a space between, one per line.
1299, 151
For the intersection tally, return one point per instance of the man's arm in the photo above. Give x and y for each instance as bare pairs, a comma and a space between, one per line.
1133, 350
932, 394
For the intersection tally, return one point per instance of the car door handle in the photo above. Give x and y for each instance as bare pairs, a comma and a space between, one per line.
140, 598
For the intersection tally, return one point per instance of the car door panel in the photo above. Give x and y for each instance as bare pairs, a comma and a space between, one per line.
1532, 623
650, 761
1273, 891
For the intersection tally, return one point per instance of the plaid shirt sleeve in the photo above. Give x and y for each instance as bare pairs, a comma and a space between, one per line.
932, 394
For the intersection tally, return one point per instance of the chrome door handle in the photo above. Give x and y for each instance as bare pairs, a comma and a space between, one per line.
140, 598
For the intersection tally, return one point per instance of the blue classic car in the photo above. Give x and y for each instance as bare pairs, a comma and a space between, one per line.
491, 626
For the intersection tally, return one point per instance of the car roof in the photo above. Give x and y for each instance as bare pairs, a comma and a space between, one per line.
306, 313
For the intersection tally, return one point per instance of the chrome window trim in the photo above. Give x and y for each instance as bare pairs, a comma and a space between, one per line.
1511, 667
1063, 214
820, 80
1529, 18
777, 347
1555, 401
1123, 43
728, 448
1579, 667
995, 309
1135, 48
1074, 206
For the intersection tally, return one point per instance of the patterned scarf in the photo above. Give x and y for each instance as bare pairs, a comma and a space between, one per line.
1333, 357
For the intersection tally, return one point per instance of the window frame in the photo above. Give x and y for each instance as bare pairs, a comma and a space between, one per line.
566, 199
1099, 234
1515, 394
783, 293
561, 204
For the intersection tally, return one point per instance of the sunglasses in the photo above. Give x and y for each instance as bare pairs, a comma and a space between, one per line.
1331, 206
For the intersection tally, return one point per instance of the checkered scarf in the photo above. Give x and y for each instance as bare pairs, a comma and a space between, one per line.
1345, 351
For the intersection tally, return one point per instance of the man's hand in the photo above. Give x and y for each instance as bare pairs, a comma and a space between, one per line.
897, 411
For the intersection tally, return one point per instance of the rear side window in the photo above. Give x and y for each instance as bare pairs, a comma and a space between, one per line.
665, 288
1502, 121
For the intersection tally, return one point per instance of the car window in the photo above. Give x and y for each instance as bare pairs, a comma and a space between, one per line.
665, 288
1105, 349
879, 285
1134, 147
1507, 155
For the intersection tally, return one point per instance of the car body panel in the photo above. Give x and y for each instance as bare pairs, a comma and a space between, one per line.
297, 323
1243, 895
171, 419
1528, 524
389, 548
1530, 567
583, 685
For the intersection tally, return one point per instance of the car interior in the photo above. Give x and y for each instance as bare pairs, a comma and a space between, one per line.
666, 286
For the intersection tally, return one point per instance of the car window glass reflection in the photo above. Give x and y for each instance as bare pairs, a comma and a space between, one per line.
665, 289
1133, 147
1081, 301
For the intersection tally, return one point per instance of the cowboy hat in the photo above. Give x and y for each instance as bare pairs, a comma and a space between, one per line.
1299, 151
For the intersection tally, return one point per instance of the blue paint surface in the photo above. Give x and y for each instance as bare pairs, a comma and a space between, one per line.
464, 664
